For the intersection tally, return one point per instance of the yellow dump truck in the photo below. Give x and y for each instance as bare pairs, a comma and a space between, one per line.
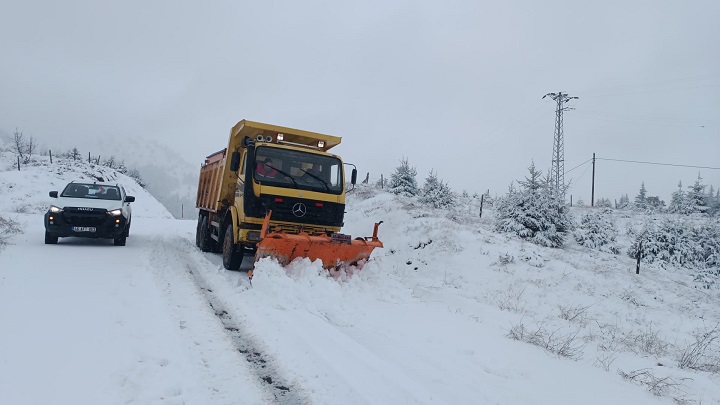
277, 191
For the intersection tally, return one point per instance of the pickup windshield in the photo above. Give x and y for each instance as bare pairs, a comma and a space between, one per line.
95, 191
302, 170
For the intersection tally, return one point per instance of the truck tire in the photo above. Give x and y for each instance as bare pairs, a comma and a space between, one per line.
198, 235
50, 239
206, 242
120, 241
232, 253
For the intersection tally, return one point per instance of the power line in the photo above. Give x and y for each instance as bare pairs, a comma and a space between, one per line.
578, 166
660, 164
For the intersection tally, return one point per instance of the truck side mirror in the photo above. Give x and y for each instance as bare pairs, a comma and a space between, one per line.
235, 161
129, 198
353, 177
53, 194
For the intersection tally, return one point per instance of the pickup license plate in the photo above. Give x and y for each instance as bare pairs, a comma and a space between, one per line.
83, 228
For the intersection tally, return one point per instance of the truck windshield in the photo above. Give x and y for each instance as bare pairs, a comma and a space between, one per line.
303, 170
98, 191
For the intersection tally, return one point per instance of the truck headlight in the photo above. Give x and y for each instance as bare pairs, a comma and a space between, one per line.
115, 212
55, 210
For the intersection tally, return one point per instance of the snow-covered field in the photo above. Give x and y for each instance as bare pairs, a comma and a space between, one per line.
441, 315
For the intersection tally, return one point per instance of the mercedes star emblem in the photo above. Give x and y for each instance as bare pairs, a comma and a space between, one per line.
299, 210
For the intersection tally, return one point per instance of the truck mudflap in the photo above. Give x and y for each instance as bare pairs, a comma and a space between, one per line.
335, 251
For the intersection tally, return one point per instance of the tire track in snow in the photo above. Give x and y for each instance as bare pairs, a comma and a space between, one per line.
260, 364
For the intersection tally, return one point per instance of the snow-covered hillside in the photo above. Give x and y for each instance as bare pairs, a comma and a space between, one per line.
448, 312
26, 190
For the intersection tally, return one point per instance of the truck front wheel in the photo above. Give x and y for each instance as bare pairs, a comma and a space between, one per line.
232, 253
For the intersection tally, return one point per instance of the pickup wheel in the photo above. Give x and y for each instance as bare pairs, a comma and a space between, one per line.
120, 241
232, 253
50, 239
206, 242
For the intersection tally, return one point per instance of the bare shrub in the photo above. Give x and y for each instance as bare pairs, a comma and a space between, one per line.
505, 259
703, 353
658, 386
556, 341
7, 228
574, 314
605, 360
648, 342
511, 300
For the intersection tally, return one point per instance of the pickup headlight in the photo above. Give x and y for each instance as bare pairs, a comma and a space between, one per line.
55, 210
115, 212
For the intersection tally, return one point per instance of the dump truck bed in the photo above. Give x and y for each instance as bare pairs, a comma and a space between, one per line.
210, 181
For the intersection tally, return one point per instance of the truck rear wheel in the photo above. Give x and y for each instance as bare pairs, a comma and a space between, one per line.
206, 242
232, 253
198, 235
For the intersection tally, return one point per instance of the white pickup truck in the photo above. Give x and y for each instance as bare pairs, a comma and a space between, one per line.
89, 210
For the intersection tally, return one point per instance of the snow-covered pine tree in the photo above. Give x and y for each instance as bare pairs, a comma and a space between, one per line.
678, 202
534, 212
403, 179
697, 200
624, 202
641, 198
715, 205
682, 244
436, 193
604, 203
597, 231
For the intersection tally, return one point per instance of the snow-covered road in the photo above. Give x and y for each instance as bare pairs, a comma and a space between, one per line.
157, 321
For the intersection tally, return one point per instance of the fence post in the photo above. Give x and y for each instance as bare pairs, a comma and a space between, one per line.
482, 200
50, 156
88, 157
639, 253
18, 163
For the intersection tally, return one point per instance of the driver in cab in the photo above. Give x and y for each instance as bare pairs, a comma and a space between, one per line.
266, 168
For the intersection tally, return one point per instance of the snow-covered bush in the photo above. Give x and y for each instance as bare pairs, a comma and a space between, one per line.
436, 193
403, 179
680, 243
534, 212
597, 231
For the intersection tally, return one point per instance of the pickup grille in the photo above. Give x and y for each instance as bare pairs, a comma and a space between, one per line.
84, 217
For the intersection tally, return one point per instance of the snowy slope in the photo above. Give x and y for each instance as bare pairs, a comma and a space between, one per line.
26, 190
427, 321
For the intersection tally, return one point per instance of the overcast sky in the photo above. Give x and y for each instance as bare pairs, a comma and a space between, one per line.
454, 86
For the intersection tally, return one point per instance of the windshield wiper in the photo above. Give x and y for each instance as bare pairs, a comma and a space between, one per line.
323, 182
286, 175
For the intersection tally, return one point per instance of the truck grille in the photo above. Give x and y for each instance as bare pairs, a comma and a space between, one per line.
287, 209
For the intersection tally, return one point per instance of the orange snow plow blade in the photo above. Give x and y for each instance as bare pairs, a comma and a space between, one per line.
333, 251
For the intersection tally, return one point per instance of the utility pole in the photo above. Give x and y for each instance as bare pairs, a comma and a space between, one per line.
557, 170
592, 194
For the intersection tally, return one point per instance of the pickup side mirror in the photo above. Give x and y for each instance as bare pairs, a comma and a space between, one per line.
53, 194
235, 161
129, 198
353, 177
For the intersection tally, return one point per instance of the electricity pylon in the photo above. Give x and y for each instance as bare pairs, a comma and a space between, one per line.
557, 170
